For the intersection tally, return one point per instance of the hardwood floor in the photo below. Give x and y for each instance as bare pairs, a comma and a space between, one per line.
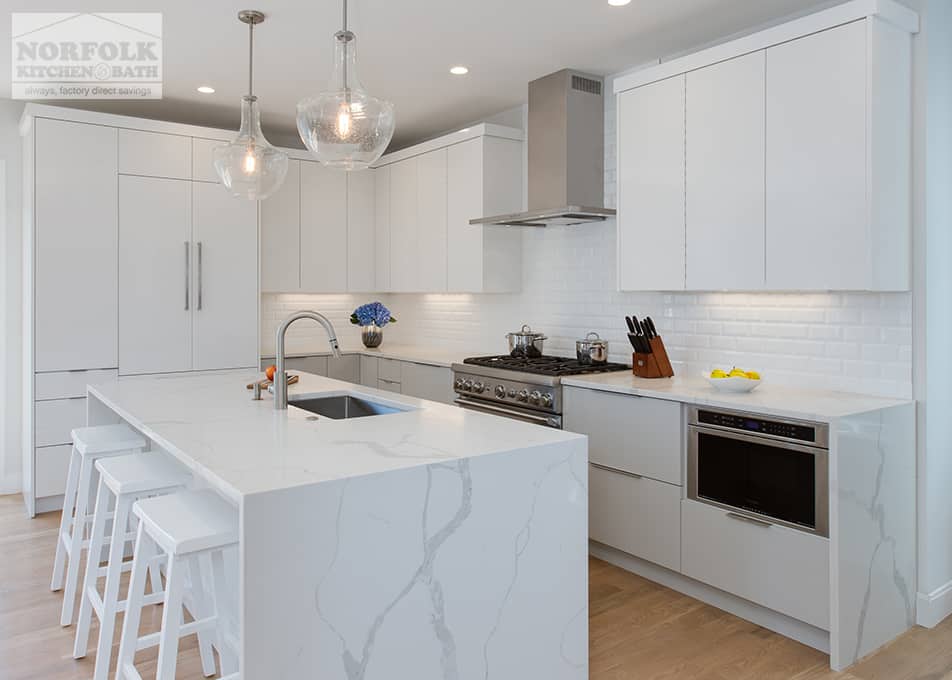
639, 630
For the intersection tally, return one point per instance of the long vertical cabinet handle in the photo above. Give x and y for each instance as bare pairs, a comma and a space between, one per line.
199, 276
188, 292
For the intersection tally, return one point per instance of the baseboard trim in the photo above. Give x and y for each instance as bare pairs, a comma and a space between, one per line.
767, 618
932, 608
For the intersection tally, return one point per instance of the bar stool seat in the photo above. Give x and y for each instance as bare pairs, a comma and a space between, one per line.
126, 479
184, 527
89, 445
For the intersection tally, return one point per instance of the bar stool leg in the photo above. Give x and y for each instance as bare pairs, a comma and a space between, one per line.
202, 610
76, 541
107, 625
69, 503
144, 552
171, 619
92, 571
223, 610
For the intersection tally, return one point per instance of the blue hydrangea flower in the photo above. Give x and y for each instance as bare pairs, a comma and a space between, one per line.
372, 313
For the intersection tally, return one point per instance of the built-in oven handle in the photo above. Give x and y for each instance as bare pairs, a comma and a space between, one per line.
751, 520
549, 421
756, 439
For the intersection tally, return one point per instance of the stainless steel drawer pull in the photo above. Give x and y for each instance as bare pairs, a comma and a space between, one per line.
616, 470
389, 382
745, 518
199, 276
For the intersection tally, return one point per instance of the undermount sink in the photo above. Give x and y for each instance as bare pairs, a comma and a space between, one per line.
341, 406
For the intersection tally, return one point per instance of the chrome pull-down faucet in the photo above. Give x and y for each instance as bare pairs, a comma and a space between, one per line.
280, 377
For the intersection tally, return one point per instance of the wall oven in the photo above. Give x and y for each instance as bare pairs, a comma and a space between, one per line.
760, 469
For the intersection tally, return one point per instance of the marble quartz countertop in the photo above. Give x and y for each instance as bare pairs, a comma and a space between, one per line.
775, 400
433, 356
242, 447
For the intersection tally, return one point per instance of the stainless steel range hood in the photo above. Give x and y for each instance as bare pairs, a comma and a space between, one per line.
566, 139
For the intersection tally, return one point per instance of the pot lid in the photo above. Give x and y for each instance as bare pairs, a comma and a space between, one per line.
593, 339
526, 332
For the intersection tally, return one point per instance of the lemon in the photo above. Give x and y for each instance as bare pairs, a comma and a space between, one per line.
737, 373
718, 373
753, 375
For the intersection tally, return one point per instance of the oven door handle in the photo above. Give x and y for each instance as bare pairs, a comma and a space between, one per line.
758, 439
549, 421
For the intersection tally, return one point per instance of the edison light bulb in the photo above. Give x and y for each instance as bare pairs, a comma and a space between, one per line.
344, 120
250, 162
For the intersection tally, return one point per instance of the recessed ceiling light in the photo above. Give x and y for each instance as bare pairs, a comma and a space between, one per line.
459, 70
205, 89
618, 3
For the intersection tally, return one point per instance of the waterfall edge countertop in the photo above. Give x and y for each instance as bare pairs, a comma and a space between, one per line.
210, 423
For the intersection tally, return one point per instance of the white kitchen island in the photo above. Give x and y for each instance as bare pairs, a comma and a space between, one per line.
429, 543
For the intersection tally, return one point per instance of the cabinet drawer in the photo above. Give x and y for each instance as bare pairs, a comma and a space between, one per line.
155, 154
637, 515
54, 420
389, 385
633, 434
52, 464
428, 382
68, 384
782, 569
203, 159
368, 371
346, 368
389, 369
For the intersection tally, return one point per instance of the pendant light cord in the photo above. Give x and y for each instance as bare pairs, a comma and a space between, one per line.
345, 15
251, 59
346, 45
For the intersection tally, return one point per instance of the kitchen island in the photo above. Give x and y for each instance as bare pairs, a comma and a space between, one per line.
427, 542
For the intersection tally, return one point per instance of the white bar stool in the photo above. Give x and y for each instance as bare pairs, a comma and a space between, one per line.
125, 479
186, 526
89, 445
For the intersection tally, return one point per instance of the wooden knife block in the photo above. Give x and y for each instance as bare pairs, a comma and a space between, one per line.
654, 365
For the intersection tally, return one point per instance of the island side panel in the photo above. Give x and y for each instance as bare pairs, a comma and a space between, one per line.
473, 568
872, 531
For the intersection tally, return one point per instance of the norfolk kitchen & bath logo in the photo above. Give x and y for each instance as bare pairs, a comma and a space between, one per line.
87, 56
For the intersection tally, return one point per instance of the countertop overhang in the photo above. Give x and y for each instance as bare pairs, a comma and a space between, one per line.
210, 423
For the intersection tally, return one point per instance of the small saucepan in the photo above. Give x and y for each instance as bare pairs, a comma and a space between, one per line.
526, 343
592, 350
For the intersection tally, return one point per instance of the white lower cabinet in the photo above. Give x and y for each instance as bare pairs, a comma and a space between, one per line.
389, 386
52, 466
779, 568
346, 368
638, 515
55, 419
368, 371
427, 382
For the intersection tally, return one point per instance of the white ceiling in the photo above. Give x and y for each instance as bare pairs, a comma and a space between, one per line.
405, 50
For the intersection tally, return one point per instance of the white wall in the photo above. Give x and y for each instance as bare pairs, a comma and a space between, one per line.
10, 292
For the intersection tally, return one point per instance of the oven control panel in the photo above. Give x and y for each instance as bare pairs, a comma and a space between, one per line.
754, 424
527, 395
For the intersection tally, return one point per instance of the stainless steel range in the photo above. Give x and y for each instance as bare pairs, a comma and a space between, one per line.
527, 389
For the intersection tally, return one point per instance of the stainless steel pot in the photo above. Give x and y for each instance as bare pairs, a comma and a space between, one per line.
592, 350
525, 343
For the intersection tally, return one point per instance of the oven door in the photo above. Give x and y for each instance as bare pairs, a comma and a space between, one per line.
514, 412
760, 478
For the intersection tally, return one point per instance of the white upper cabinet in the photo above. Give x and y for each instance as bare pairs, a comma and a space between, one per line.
203, 159
323, 229
382, 229
225, 281
651, 186
155, 154
281, 235
431, 215
484, 177
725, 175
404, 227
793, 172
361, 231
75, 246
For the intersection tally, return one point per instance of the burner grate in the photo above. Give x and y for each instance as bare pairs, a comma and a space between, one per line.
552, 366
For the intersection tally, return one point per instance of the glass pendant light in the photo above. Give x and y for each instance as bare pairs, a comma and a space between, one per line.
344, 126
249, 166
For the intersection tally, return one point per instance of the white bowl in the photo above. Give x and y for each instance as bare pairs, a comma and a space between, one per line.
735, 384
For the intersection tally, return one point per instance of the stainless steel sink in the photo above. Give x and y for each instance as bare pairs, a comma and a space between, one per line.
340, 406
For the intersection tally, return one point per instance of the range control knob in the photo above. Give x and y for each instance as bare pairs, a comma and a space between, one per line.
458, 384
546, 400
468, 385
500, 392
535, 397
523, 395
478, 387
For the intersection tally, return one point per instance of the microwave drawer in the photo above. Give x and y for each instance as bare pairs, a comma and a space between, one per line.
776, 567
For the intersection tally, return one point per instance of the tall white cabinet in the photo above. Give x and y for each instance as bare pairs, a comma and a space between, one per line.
778, 161
135, 261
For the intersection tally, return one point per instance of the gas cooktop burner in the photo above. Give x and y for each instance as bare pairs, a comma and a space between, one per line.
553, 366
